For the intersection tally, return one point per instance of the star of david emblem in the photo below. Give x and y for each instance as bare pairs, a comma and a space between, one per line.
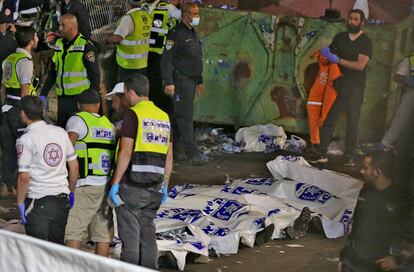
53, 154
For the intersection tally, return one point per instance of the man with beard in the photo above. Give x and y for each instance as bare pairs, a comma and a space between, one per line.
375, 219
351, 50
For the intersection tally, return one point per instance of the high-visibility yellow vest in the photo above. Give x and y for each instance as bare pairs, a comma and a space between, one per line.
411, 59
151, 144
160, 26
97, 149
71, 74
132, 51
11, 80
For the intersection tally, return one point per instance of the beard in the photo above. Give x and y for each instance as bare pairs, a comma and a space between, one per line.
353, 28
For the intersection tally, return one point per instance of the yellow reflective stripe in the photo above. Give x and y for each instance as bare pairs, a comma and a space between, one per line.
132, 56
73, 74
159, 30
148, 169
136, 42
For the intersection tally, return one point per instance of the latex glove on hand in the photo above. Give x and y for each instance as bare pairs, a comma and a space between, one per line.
114, 196
331, 57
71, 199
164, 191
44, 101
22, 210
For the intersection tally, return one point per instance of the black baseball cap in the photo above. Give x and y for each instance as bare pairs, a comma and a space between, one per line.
89, 96
5, 19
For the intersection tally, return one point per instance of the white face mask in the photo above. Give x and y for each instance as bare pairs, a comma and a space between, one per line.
195, 21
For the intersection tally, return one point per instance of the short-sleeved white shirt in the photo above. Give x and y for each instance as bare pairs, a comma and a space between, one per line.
77, 124
173, 11
43, 152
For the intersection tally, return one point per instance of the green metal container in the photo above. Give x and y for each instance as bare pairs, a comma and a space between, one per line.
259, 68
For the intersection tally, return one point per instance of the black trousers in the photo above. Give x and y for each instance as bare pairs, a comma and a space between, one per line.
183, 111
67, 106
47, 218
350, 101
124, 74
10, 131
156, 93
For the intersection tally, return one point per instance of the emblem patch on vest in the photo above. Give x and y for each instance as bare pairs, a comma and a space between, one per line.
155, 131
8, 71
102, 133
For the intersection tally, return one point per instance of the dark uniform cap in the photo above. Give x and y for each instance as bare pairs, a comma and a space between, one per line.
89, 96
5, 19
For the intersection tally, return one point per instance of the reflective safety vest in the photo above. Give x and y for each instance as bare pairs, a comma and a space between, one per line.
132, 51
160, 26
151, 144
97, 149
71, 74
411, 59
11, 80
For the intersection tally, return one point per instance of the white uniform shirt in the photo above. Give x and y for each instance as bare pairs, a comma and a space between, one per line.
77, 125
43, 152
173, 11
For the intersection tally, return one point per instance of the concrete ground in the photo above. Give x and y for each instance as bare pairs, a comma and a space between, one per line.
314, 253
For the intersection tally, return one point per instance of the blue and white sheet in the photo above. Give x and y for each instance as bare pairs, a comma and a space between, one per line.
221, 216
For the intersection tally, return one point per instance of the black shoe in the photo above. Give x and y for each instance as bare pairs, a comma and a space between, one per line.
301, 223
198, 159
290, 233
316, 226
167, 261
265, 235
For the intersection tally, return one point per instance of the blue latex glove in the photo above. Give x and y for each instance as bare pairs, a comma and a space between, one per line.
409, 81
114, 195
164, 191
326, 52
71, 199
44, 100
22, 210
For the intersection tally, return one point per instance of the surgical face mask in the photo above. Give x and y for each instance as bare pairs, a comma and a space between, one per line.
195, 21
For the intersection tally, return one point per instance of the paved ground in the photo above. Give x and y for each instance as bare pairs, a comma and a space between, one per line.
317, 253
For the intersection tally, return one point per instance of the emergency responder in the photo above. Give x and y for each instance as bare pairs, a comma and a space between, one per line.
77, 9
7, 40
44, 195
17, 82
164, 16
144, 161
182, 68
118, 105
74, 68
132, 37
94, 139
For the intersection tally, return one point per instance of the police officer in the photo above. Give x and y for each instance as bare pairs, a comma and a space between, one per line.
17, 82
182, 68
74, 69
132, 40
44, 187
7, 40
164, 16
144, 158
93, 136
81, 13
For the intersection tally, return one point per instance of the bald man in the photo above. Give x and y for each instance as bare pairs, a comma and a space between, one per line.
74, 69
